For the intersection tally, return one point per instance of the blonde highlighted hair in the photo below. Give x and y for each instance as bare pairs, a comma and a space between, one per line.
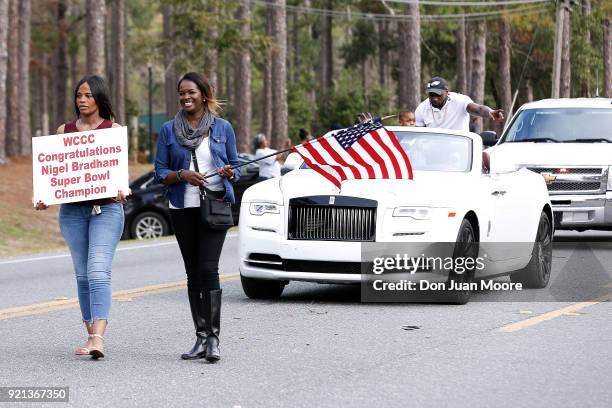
208, 91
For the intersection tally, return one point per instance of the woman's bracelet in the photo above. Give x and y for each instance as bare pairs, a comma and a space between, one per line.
178, 176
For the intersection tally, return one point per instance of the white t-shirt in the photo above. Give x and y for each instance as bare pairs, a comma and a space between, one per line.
453, 114
205, 165
269, 167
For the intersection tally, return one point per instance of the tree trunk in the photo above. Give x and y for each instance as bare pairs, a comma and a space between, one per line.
243, 84
25, 129
414, 55
96, 13
326, 63
479, 53
119, 37
44, 90
266, 121
607, 56
170, 78
528, 91
410, 59
61, 66
73, 56
279, 75
211, 54
12, 82
295, 35
461, 85
566, 69
504, 83
110, 26
584, 86
4, 11
469, 51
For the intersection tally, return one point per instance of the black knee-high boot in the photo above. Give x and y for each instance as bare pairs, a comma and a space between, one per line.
199, 321
212, 317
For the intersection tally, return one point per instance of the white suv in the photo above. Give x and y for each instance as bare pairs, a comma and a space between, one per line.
569, 142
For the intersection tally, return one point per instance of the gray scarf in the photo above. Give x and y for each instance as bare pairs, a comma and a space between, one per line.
188, 136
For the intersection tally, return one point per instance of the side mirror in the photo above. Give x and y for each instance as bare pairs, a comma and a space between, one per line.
489, 138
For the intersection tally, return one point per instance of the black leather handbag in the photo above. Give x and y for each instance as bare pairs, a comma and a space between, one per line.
215, 212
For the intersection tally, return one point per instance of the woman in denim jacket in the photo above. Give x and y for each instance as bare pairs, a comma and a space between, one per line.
197, 127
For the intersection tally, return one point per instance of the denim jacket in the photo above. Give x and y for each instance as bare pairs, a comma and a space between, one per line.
172, 156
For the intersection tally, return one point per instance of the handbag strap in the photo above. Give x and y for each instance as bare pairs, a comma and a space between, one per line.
195, 165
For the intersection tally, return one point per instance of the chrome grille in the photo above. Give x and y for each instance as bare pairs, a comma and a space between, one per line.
332, 223
575, 180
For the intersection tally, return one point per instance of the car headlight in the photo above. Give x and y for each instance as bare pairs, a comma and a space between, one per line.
609, 178
418, 213
263, 208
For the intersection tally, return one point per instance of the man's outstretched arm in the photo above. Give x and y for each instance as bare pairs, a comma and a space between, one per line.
483, 111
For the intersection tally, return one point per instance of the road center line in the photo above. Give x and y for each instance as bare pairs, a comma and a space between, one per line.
523, 324
46, 307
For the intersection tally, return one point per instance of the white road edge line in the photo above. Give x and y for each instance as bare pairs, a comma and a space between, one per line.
126, 248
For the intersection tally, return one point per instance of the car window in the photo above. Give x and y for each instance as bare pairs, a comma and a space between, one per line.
437, 152
561, 125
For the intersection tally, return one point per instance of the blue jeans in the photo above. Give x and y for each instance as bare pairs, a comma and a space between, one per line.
92, 240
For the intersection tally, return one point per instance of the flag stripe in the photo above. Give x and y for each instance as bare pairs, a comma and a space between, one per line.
322, 172
398, 160
388, 154
364, 143
334, 153
359, 159
402, 152
319, 159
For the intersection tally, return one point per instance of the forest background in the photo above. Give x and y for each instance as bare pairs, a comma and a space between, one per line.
281, 65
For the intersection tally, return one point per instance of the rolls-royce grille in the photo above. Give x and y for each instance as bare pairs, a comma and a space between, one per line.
574, 180
331, 223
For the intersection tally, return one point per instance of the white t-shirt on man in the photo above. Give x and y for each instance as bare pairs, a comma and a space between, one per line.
453, 114
270, 167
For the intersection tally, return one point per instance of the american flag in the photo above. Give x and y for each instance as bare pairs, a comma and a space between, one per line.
364, 151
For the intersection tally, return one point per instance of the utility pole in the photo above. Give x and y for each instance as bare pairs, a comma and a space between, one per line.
564, 7
556, 74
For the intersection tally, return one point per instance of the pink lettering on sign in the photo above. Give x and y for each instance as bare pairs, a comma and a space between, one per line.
78, 140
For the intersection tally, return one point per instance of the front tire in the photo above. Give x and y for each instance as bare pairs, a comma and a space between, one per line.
537, 272
466, 246
262, 288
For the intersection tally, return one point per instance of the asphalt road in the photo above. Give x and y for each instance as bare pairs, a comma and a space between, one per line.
318, 346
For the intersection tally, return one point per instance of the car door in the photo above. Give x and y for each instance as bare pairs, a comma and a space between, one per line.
507, 225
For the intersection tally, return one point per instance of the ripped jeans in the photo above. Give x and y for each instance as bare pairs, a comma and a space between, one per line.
92, 240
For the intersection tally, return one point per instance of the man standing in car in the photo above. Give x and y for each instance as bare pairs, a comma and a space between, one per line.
450, 110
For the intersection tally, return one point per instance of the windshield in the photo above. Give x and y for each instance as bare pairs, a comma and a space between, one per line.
561, 125
434, 152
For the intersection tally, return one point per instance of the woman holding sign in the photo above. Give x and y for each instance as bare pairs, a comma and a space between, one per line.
194, 144
92, 229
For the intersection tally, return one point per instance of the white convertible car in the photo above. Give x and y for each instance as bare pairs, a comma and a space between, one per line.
300, 227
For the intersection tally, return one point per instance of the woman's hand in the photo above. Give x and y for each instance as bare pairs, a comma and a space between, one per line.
121, 198
226, 171
41, 206
193, 177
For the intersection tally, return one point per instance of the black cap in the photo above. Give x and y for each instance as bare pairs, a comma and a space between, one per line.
437, 85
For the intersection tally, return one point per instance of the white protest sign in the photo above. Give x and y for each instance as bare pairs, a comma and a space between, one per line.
80, 166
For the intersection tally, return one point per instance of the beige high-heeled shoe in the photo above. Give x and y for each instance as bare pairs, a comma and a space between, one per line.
83, 351
94, 352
